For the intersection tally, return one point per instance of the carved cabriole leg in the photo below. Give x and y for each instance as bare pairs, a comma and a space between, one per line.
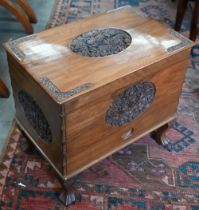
69, 194
158, 135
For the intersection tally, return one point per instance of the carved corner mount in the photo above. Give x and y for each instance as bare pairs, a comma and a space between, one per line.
128, 7
184, 41
58, 94
13, 46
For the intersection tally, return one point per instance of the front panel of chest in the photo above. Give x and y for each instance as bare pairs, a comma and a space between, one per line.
121, 113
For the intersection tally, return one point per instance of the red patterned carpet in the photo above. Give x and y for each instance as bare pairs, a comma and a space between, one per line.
142, 176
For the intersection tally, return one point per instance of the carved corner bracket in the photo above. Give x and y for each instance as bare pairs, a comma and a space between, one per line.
184, 41
58, 94
13, 46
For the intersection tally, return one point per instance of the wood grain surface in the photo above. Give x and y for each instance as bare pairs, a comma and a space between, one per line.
88, 135
48, 53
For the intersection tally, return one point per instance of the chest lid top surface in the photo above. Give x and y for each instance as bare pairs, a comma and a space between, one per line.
86, 54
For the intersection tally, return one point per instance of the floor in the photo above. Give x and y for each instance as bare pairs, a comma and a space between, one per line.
10, 28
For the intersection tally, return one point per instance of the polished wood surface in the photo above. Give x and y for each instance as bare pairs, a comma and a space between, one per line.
4, 92
81, 136
25, 18
90, 138
46, 55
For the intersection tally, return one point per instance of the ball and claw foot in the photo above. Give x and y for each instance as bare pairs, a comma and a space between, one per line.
69, 195
28, 147
160, 137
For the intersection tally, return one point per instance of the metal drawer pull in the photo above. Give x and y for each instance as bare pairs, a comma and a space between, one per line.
128, 134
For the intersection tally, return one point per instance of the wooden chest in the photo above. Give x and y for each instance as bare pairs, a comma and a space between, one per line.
89, 88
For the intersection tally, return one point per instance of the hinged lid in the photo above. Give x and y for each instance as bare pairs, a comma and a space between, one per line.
107, 46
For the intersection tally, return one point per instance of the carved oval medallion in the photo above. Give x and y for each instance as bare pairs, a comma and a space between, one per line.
101, 42
35, 116
130, 104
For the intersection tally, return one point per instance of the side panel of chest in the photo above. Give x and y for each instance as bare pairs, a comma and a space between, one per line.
38, 115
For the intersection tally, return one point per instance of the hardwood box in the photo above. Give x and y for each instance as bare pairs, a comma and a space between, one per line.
89, 88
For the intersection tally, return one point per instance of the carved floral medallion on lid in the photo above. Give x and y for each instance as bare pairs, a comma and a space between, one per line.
101, 42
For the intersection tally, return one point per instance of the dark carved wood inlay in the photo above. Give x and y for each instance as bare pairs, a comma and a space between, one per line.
101, 42
66, 94
35, 116
184, 41
14, 48
128, 7
130, 104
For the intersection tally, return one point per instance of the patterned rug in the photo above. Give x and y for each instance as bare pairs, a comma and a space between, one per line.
142, 176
